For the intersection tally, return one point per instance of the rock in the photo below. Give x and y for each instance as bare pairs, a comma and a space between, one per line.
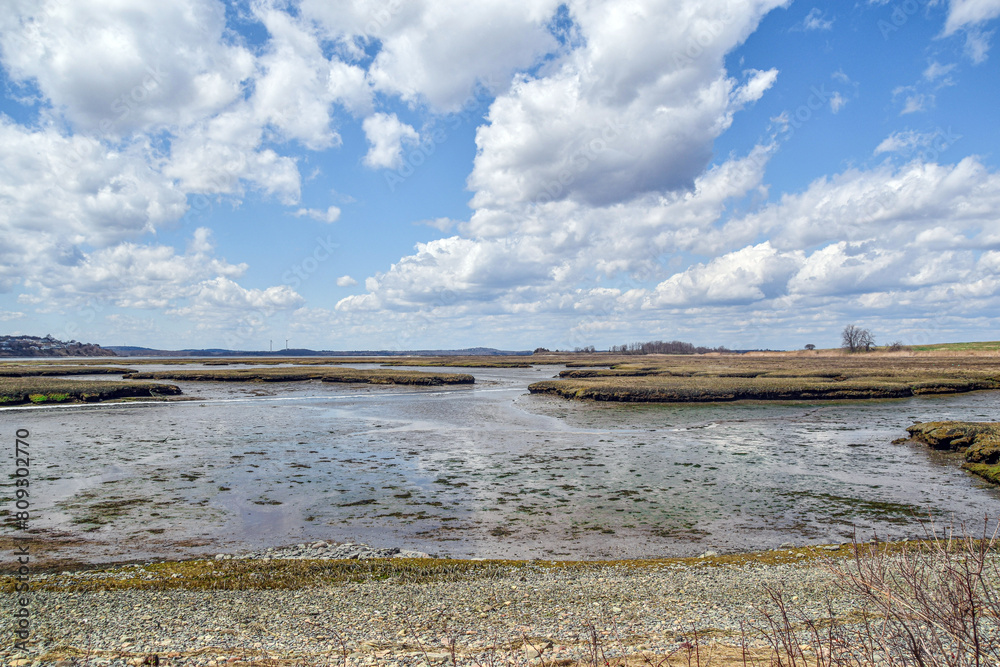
536, 649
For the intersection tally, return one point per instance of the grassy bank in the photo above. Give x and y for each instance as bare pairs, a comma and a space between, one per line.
720, 378
981, 347
51, 370
979, 441
324, 374
294, 574
464, 362
41, 390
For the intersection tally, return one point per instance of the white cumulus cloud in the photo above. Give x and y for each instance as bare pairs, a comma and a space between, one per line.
330, 215
386, 136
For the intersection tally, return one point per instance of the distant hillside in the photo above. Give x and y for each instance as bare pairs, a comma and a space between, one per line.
130, 351
33, 346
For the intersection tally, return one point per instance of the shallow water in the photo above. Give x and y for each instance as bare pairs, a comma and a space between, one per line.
486, 470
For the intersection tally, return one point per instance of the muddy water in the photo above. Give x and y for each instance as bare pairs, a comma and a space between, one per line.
486, 470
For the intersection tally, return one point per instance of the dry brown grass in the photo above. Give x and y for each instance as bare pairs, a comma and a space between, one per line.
324, 374
776, 376
24, 370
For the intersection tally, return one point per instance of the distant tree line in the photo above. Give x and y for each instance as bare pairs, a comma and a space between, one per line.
662, 347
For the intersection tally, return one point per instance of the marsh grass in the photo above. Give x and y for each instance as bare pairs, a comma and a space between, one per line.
324, 374
978, 441
40, 370
720, 378
41, 390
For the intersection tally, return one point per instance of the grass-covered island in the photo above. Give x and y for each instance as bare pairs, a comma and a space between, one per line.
34, 370
45, 390
979, 441
775, 377
301, 374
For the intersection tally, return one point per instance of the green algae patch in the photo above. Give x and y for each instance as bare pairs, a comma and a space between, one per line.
48, 398
286, 574
989, 473
44, 390
323, 374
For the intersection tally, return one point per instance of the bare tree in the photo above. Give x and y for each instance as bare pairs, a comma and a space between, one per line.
855, 339
867, 340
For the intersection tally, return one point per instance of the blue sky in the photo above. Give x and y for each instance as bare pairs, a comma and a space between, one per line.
389, 175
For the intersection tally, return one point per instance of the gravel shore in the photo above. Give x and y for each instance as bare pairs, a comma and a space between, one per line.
498, 612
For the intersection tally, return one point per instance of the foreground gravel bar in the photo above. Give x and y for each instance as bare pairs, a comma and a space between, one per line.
491, 612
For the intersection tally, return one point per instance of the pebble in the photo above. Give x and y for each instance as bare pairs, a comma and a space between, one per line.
500, 614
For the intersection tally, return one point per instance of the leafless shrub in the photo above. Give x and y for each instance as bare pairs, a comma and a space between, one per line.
933, 603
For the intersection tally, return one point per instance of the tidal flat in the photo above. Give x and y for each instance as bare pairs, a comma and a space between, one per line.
484, 470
